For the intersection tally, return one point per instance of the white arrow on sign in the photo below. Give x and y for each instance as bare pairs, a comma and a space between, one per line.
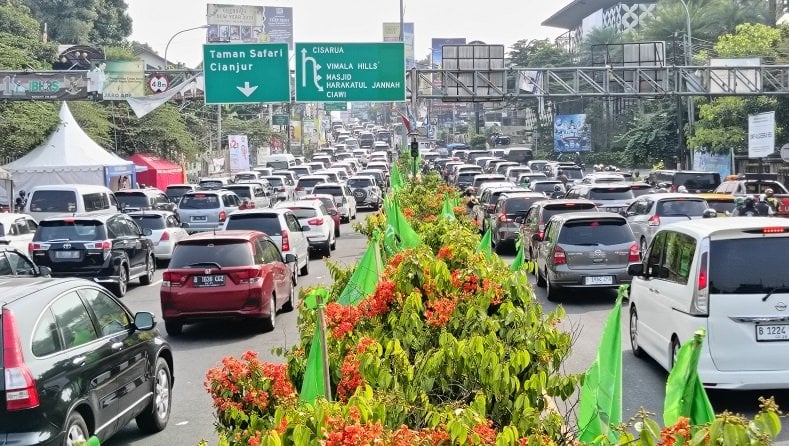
246, 90
315, 67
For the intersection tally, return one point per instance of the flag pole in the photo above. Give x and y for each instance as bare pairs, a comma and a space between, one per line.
324, 349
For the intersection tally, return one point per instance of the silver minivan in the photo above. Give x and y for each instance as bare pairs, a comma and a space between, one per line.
206, 210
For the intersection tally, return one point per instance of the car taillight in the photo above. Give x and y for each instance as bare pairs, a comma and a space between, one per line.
165, 236
315, 221
251, 275
654, 221
285, 241
700, 304
635, 254
20, 387
559, 256
104, 245
173, 279
299, 188
222, 216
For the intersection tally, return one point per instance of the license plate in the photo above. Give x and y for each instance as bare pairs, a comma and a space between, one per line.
199, 218
778, 332
66, 254
209, 281
599, 280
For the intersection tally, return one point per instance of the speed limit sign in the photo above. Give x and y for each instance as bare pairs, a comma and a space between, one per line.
158, 83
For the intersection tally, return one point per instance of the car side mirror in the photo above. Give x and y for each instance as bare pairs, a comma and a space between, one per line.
536, 237
305, 228
518, 219
290, 258
147, 232
332, 212
143, 321
44, 271
709, 213
636, 270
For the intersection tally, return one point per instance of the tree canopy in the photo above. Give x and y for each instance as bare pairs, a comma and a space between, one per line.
102, 22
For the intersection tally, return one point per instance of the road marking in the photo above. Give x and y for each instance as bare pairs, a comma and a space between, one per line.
158, 282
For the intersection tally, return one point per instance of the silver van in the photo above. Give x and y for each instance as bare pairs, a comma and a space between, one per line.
70, 199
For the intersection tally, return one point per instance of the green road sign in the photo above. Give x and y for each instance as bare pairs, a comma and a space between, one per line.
341, 72
336, 106
246, 73
279, 120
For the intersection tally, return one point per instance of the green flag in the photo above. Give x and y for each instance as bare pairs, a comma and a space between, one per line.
446, 210
408, 237
365, 278
484, 244
312, 387
601, 394
685, 395
391, 244
395, 178
517, 264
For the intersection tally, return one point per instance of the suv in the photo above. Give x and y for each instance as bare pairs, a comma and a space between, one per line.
727, 276
282, 189
149, 199
343, 197
316, 223
609, 197
252, 195
110, 249
483, 211
174, 192
585, 249
282, 226
365, 190
206, 210
231, 274
538, 215
651, 212
78, 363
504, 228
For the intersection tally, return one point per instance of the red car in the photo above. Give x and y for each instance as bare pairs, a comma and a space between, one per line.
227, 275
331, 206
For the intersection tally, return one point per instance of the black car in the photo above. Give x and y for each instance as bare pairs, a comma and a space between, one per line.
77, 363
133, 200
17, 263
110, 249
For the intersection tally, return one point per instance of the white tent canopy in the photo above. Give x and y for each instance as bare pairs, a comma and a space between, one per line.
68, 156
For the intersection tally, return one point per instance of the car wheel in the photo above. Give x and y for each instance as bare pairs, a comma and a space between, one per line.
162, 263
540, 280
333, 243
674, 352
288, 305
155, 417
551, 291
634, 333
270, 323
306, 268
173, 328
150, 267
337, 231
326, 249
120, 287
643, 247
76, 430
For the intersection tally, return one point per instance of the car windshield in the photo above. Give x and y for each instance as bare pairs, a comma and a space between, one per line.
705, 182
360, 182
304, 212
333, 190
241, 191
551, 210
211, 184
70, 230
177, 191
596, 232
268, 223
573, 174
738, 266
225, 253
642, 190
722, 206
132, 199
275, 181
310, 182
467, 177
756, 187
245, 177
328, 202
518, 205
521, 156
611, 194
277, 164
681, 207
199, 201
53, 201
152, 222
546, 187
488, 179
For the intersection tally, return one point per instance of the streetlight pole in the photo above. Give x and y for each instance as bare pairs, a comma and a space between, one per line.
402, 32
167, 47
688, 62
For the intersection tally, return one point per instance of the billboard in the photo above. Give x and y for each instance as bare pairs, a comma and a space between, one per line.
571, 133
239, 153
116, 80
392, 34
761, 134
250, 24
713, 162
43, 86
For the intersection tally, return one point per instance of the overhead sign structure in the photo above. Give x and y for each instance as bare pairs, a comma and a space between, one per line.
342, 72
761, 134
246, 73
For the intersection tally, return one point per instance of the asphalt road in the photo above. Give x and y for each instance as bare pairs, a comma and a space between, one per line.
203, 345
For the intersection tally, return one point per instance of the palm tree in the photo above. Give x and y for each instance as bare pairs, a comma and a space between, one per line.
598, 36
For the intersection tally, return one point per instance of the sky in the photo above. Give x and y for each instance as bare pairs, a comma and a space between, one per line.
491, 21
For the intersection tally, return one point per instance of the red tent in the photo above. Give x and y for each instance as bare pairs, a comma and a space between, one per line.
160, 173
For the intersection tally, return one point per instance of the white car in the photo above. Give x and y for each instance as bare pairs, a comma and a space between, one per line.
343, 198
727, 276
313, 214
17, 230
166, 231
282, 226
306, 183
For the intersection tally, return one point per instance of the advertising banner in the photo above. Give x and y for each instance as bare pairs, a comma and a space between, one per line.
239, 153
713, 162
43, 86
571, 133
116, 80
250, 24
392, 34
295, 133
761, 134
436, 56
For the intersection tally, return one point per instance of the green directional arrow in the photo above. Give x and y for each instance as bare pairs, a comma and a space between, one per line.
246, 73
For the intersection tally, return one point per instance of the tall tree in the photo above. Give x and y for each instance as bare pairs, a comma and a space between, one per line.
104, 22
539, 53
21, 45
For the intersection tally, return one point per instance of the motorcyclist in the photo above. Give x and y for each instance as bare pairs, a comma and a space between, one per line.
21, 201
561, 177
558, 192
682, 189
765, 210
769, 198
747, 209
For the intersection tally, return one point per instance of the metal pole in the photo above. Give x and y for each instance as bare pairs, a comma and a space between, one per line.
167, 47
688, 62
402, 32
219, 138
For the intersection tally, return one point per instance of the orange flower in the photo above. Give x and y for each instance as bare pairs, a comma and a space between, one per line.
445, 252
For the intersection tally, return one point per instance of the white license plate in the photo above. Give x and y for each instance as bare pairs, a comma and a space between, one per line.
777, 332
599, 280
66, 254
199, 218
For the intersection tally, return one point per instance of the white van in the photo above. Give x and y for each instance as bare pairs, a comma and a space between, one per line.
69, 199
729, 277
281, 161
